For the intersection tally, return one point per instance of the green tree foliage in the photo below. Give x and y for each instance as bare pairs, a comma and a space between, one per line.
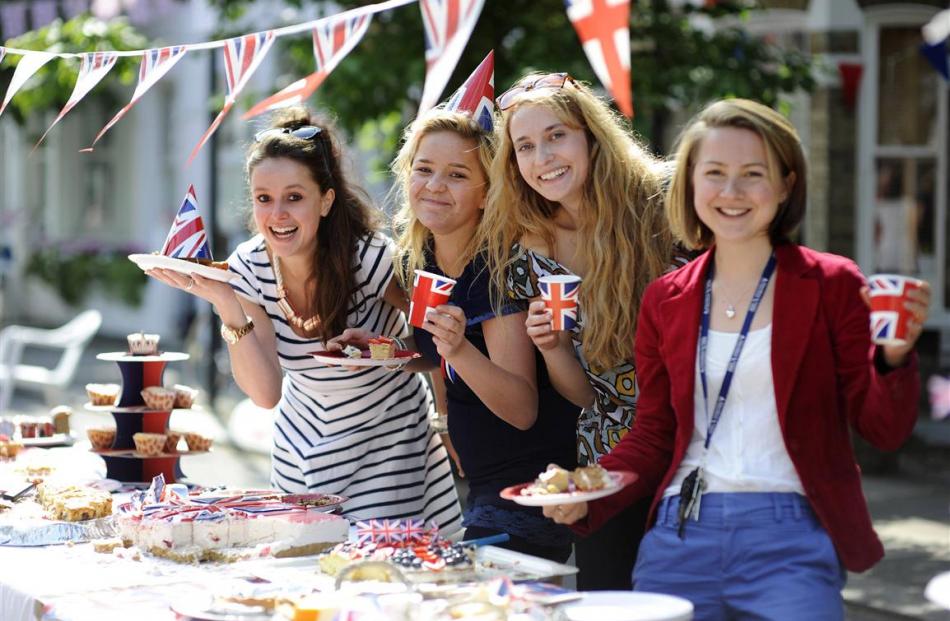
53, 83
674, 63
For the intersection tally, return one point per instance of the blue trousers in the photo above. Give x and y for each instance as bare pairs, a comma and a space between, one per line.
750, 556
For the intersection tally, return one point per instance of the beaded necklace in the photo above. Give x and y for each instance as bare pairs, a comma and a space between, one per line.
307, 325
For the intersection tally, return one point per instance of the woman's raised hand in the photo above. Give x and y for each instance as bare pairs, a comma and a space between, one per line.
446, 323
538, 325
214, 291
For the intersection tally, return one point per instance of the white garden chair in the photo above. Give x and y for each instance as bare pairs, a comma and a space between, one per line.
70, 339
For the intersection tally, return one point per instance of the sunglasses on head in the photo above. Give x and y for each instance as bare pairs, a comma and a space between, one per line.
551, 80
307, 132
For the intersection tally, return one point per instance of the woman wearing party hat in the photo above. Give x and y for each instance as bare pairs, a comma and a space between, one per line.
572, 193
506, 420
756, 362
316, 266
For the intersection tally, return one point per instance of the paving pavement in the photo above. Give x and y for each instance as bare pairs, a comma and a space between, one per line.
910, 508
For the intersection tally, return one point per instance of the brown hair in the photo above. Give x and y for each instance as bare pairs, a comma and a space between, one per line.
784, 151
623, 234
351, 216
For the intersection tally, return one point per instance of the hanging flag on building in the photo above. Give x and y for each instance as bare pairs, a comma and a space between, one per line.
186, 238
94, 67
604, 30
332, 41
155, 64
25, 68
448, 25
477, 95
242, 57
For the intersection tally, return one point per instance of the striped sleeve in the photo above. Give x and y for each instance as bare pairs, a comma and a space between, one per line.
374, 267
245, 261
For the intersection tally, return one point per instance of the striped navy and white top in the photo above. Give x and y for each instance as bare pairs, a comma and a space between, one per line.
365, 434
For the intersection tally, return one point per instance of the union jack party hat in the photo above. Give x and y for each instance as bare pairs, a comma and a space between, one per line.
187, 239
477, 95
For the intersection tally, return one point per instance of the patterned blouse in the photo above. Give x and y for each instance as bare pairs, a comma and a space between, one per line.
601, 426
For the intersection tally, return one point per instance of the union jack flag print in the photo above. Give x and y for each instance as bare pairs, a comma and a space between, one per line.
604, 30
94, 67
187, 239
380, 531
242, 57
448, 26
155, 64
477, 95
561, 300
884, 326
428, 291
332, 41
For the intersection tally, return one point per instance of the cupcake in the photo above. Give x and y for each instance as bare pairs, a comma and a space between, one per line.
197, 442
159, 398
149, 443
60, 415
382, 348
171, 441
184, 396
141, 344
102, 394
101, 438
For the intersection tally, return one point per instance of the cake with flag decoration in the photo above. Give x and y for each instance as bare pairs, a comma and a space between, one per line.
187, 239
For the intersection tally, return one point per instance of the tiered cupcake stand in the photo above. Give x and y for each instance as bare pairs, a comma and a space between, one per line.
132, 416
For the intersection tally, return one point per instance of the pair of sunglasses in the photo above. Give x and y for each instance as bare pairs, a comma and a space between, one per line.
307, 132
551, 80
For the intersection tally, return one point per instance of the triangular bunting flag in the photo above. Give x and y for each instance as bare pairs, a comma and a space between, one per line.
448, 26
242, 56
477, 95
28, 65
94, 67
186, 238
936, 55
3, 52
155, 64
332, 41
604, 30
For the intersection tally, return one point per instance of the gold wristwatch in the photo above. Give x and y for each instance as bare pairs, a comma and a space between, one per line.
233, 335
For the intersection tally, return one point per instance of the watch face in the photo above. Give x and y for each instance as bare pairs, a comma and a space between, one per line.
228, 335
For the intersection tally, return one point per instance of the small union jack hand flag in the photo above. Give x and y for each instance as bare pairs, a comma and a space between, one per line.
187, 239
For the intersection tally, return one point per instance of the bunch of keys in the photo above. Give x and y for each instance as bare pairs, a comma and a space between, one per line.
691, 493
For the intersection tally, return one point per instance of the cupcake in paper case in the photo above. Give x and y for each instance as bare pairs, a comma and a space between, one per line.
171, 441
197, 442
184, 396
159, 398
141, 344
149, 443
102, 394
101, 438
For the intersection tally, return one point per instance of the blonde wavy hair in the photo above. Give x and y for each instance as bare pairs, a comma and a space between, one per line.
624, 237
412, 237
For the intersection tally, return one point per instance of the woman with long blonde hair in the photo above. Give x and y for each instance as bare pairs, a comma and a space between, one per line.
572, 192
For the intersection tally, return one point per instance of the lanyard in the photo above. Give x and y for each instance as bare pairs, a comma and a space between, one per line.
737, 350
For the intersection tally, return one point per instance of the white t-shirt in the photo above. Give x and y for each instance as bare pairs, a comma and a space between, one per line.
747, 452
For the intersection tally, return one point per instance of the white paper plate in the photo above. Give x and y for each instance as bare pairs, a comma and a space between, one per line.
151, 261
337, 359
628, 606
513, 493
57, 439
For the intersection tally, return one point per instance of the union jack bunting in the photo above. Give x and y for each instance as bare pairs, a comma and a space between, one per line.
604, 30
448, 25
94, 67
332, 41
242, 57
3, 52
187, 239
939, 388
155, 64
25, 68
561, 299
477, 95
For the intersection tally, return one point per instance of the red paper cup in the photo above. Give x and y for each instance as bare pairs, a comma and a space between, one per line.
560, 295
428, 291
888, 315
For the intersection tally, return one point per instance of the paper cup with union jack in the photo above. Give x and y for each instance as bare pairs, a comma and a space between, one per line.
888, 315
428, 291
560, 296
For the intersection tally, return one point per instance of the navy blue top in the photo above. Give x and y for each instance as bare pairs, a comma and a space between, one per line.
495, 454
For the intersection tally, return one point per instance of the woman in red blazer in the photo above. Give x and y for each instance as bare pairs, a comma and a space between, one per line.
757, 501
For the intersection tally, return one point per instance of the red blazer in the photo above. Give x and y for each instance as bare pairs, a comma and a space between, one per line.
825, 377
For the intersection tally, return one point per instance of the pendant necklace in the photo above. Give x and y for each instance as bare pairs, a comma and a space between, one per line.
730, 307
307, 325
